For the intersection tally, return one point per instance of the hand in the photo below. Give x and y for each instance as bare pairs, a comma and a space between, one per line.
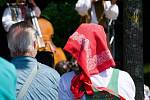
32, 2
37, 11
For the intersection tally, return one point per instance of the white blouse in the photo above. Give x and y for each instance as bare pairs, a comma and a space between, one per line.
126, 86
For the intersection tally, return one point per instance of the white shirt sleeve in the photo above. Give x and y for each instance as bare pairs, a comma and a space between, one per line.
82, 7
7, 19
126, 86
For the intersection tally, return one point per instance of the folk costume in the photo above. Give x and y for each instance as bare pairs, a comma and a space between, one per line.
97, 11
18, 11
88, 45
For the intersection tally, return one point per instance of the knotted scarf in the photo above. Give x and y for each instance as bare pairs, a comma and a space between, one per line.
88, 45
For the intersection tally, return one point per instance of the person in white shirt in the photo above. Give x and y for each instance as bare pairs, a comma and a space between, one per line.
88, 46
146, 92
17, 11
97, 11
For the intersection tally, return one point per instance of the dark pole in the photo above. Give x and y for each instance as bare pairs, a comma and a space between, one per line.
133, 43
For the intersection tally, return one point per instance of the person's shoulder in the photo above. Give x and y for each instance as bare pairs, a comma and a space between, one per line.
124, 75
46, 82
66, 78
7, 65
120, 71
126, 86
48, 70
7, 80
68, 75
7, 68
6, 10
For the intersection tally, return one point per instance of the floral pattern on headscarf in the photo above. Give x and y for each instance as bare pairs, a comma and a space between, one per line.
88, 45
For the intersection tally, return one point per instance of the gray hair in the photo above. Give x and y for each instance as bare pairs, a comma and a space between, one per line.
21, 37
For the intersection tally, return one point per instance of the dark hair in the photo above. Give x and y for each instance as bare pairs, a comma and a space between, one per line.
45, 57
62, 67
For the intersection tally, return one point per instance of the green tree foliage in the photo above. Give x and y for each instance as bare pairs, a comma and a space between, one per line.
2, 2
62, 15
64, 19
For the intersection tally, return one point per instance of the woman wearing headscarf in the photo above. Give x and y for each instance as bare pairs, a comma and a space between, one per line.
97, 77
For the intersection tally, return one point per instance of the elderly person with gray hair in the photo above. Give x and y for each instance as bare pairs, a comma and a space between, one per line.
35, 81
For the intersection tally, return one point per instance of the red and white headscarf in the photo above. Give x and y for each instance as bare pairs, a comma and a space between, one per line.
88, 45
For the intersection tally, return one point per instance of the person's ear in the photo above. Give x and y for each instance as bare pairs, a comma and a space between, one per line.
35, 44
